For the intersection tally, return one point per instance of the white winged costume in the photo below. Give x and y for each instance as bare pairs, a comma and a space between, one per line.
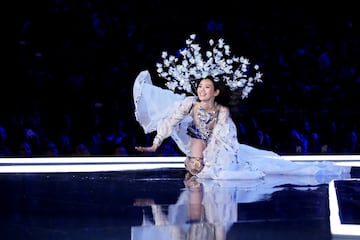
167, 113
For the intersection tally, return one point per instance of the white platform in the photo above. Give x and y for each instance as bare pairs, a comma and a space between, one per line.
101, 164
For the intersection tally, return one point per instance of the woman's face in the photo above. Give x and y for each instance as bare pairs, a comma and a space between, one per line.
206, 90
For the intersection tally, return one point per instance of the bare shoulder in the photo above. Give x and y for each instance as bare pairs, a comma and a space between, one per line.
187, 103
223, 109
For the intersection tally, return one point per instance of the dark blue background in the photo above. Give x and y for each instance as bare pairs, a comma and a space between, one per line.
72, 65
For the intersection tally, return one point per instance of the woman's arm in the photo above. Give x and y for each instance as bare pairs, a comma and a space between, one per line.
224, 132
222, 145
167, 124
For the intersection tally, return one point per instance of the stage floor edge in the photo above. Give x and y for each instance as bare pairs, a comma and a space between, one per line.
340, 229
115, 163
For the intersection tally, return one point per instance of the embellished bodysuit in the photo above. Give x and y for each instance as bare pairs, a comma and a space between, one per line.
203, 123
201, 128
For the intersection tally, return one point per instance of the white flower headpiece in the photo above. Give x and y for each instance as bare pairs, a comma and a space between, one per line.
181, 72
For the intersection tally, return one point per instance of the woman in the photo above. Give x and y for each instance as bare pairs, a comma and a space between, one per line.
201, 124
204, 111
204, 130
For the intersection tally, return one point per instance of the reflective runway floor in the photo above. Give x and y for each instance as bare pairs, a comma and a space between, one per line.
140, 202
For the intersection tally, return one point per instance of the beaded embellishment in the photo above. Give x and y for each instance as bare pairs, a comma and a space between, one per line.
201, 127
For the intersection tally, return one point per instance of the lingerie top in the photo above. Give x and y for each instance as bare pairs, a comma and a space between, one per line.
203, 123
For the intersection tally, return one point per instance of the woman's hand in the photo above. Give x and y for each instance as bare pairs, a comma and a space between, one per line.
153, 148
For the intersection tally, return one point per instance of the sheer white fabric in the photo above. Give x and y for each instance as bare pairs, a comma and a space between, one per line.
161, 110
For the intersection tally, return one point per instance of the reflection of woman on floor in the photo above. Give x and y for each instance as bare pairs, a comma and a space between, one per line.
196, 215
207, 209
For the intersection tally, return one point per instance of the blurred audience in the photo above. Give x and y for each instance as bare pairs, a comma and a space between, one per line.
76, 62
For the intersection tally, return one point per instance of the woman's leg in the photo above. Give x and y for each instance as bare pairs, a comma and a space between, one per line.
195, 163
